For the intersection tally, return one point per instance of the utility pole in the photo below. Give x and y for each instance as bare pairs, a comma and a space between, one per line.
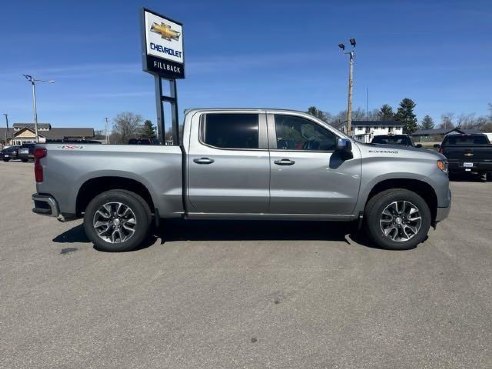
7, 131
351, 55
107, 133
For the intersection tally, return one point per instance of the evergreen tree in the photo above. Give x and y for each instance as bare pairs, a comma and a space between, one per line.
406, 116
148, 130
427, 123
386, 113
315, 112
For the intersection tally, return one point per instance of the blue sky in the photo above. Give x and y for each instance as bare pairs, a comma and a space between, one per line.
248, 54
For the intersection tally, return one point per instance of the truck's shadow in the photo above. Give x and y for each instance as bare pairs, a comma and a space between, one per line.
208, 230
73, 235
205, 230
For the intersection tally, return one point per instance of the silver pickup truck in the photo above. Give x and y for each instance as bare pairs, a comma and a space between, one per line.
244, 164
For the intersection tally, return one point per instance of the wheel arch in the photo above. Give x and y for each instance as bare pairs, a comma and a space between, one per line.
94, 186
423, 189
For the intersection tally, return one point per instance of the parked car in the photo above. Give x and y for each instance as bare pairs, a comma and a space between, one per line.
467, 153
403, 140
26, 152
9, 153
143, 141
229, 165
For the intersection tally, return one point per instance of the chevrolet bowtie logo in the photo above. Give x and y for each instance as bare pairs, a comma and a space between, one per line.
468, 154
165, 31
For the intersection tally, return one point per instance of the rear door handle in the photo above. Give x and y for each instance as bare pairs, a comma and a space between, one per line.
203, 161
284, 162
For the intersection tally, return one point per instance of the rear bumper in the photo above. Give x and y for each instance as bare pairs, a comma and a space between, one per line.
45, 205
471, 166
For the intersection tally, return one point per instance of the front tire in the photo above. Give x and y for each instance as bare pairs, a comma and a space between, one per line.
117, 220
397, 219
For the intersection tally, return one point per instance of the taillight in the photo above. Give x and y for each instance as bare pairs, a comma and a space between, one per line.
39, 153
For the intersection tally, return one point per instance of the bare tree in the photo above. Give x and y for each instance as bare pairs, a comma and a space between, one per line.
466, 121
372, 115
125, 126
447, 121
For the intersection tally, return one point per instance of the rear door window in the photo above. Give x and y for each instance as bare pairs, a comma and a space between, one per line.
231, 131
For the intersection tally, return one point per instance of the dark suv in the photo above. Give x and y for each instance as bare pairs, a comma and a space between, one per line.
26, 152
9, 153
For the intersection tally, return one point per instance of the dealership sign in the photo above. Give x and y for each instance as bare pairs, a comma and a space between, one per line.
162, 46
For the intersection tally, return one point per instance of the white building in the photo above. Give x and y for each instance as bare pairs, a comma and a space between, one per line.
365, 130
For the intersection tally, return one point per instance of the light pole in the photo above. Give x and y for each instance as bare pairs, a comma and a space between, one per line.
7, 131
33, 83
351, 55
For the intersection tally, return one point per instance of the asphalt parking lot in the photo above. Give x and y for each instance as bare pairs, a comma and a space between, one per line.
243, 294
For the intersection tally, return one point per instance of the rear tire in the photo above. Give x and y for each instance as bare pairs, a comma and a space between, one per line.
397, 219
117, 220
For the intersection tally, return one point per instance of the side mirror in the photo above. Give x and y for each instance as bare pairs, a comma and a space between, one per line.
344, 145
418, 146
437, 146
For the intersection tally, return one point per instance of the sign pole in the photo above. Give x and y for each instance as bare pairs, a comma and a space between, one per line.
174, 112
161, 129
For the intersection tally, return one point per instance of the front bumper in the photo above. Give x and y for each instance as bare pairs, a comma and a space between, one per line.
442, 213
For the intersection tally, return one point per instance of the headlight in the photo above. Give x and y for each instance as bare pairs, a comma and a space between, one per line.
443, 165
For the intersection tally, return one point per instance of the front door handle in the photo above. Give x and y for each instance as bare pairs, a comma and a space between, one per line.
203, 161
284, 162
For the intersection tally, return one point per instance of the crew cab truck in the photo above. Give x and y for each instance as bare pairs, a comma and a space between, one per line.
468, 153
244, 164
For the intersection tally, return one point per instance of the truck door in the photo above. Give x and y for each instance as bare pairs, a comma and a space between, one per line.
308, 176
228, 164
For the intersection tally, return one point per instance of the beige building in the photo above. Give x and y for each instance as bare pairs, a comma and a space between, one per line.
25, 133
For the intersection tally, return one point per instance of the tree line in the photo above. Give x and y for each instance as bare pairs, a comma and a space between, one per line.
405, 114
129, 125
